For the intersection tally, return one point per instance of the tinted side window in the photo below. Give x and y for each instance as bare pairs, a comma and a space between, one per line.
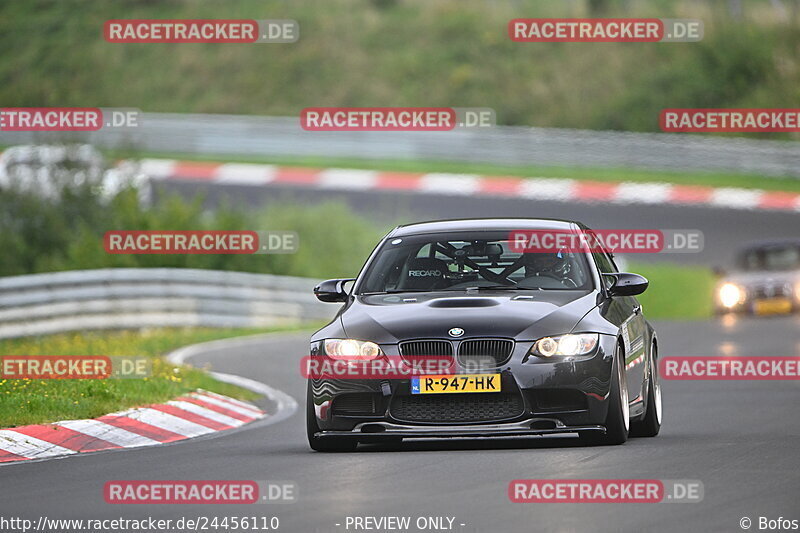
604, 263
606, 266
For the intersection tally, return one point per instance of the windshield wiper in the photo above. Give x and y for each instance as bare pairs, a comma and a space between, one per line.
458, 289
396, 291
495, 288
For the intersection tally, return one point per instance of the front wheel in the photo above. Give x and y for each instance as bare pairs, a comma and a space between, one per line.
326, 444
618, 419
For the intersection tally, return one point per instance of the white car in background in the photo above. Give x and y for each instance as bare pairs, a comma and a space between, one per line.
766, 280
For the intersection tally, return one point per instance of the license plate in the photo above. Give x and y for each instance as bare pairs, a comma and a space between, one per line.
439, 384
772, 306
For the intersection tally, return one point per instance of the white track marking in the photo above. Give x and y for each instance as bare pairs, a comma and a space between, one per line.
244, 174
285, 404
158, 168
241, 410
169, 422
342, 178
457, 184
736, 198
107, 432
643, 193
207, 413
561, 190
201, 393
29, 447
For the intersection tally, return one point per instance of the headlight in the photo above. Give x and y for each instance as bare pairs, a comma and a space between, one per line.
577, 344
730, 295
352, 350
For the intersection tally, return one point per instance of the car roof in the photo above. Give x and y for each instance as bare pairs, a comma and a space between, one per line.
483, 224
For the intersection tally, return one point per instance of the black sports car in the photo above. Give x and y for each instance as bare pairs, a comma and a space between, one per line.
536, 343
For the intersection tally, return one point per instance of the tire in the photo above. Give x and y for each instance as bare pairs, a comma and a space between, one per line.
326, 444
618, 417
650, 425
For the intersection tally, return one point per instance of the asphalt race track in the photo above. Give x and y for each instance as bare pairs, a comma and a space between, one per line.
738, 438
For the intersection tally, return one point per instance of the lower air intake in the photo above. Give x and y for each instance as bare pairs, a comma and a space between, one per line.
451, 408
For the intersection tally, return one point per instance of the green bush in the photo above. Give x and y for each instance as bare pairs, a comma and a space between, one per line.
66, 233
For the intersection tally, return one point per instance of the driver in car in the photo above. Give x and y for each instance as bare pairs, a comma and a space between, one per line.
554, 265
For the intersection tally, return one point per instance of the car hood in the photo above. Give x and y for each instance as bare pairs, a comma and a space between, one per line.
387, 319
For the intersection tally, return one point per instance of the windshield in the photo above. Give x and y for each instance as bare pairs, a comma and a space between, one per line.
779, 257
424, 263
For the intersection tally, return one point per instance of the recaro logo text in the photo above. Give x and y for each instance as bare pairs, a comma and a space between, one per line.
424, 273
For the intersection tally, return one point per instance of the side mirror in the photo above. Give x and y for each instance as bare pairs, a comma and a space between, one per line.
627, 284
332, 290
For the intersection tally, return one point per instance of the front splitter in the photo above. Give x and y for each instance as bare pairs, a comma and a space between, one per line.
377, 430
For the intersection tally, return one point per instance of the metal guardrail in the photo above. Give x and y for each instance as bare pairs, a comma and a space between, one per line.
120, 298
283, 136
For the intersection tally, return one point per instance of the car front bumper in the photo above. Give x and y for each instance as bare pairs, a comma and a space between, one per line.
549, 397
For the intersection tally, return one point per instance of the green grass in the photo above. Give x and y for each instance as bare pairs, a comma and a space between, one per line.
676, 292
25, 401
710, 179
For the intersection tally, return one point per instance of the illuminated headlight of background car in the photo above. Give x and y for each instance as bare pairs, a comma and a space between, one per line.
565, 345
730, 295
352, 350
